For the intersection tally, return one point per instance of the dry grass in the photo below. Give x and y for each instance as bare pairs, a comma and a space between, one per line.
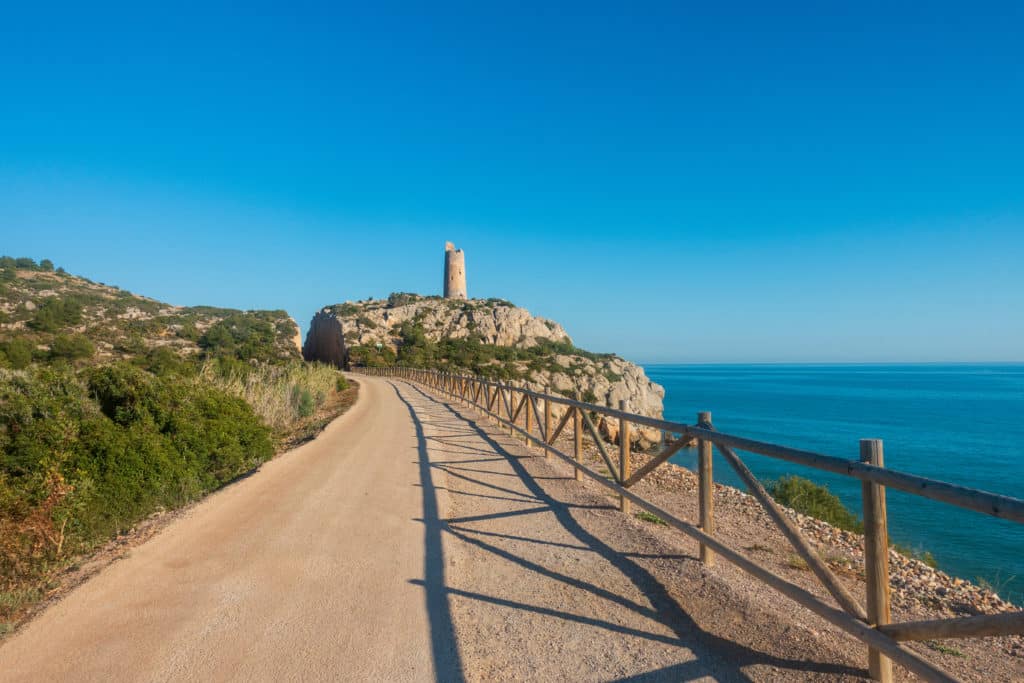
794, 561
306, 429
272, 390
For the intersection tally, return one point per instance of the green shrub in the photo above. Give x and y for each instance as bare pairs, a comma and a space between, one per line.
18, 352
133, 344
401, 299
346, 309
916, 554
46, 265
71, 347
242, 335
341, 384
56, 313
164, 361
814, 500
648, 517
303, 401
86, 455
371, 356
188, 331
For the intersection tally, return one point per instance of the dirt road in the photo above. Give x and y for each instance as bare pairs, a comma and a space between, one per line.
412, 541
300, 572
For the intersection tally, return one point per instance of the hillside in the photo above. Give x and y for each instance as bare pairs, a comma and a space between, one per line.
114, 406
488, 337
48, 314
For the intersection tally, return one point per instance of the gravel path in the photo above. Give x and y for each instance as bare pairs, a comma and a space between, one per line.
299, 572
548, 581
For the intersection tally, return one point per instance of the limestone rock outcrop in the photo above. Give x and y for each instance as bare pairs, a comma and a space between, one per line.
345, 330
297, 337
493, 321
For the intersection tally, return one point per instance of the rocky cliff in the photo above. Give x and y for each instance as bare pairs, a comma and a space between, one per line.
490, 337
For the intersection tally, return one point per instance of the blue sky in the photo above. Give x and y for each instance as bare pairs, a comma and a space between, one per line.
793, 183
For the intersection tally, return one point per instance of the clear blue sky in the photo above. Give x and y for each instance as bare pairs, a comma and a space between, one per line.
767, 182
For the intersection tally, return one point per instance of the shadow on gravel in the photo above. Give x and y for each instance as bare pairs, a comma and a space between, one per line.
444, 648
714, 655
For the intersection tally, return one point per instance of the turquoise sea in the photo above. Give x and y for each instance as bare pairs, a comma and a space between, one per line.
958, 423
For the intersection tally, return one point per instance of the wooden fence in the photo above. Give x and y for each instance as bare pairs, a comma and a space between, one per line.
870, 623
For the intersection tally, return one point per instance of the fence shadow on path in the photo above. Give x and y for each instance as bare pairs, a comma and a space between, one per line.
713, 655
443, 645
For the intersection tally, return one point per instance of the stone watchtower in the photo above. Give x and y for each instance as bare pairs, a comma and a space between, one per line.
454, 272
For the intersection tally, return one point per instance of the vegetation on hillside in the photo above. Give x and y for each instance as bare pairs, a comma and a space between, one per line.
470, 354
86, 454
113, 406
40, 305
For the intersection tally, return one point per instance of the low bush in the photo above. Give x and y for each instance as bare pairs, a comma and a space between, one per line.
164, 361
56, 313
71, 347
240, 335
85, 455
402, 298
920, 554
302, 401
371, 356
814, 500
17, 352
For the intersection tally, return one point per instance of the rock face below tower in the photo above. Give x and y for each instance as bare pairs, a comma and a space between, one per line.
374, 332
325, 341
454, 272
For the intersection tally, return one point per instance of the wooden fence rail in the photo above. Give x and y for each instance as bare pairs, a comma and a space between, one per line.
504, 402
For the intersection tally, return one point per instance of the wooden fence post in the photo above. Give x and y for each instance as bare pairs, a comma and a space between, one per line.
706, 489
876, 556
511, 410
577, 435
547, 423
625, 466
528, 407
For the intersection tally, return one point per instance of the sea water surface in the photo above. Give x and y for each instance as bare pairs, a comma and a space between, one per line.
957, 423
